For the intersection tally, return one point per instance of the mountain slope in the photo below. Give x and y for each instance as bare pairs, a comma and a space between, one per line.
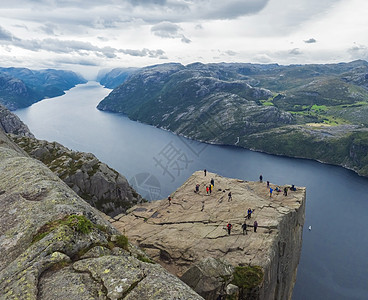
21, 87
311, 111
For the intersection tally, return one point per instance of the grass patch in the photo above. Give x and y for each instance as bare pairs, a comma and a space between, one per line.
248, 277
122, 242
76, 223
145, 259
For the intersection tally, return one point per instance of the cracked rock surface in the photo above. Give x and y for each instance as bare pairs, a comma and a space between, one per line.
54, 245
193, 228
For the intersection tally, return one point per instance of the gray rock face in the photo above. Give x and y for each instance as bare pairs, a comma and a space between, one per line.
11, 123
94, 181
46, 229
210, 277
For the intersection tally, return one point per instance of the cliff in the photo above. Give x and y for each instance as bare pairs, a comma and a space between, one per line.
93, 180
189, 238
54, 245
10, 123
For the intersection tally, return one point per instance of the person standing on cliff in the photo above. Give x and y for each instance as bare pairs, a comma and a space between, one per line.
244, 226
212, 182
268, 184
205, 172
285, 191
207, 189
271, 190
230, 197
260, 178
249, 213
229, 226
255, 225
169, 198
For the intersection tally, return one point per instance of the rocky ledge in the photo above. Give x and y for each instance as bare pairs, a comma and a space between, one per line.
93, 180
54, 245
189, 237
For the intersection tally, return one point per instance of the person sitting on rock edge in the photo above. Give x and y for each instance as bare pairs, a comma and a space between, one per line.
255, 225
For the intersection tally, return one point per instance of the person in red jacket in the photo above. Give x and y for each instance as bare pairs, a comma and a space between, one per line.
229, 226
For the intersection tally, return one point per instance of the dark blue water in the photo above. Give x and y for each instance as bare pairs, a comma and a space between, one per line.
334, 263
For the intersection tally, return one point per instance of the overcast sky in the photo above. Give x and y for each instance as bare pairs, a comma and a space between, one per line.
90, 35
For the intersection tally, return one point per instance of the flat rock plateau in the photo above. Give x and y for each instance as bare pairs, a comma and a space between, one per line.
193, 228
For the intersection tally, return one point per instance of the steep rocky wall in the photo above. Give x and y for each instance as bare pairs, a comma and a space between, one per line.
54, 245
281, 271
10, 123
94, 181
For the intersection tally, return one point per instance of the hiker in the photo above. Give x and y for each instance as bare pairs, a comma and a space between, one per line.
230, 197
169, 198
285, 191
212, 182
197, 188
293, 188
229, 226
205, 172
249, 213
244, 226
210, 188
207, 189
260, 178
255, 225
271, 190
268, 184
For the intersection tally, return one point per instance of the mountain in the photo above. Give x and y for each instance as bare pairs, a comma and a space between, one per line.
311, 111
21, 87
112, 79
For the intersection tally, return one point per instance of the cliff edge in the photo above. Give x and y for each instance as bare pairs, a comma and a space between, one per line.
189, 237
54, 245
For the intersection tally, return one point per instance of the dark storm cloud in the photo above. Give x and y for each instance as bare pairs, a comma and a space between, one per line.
310, 41
169, 30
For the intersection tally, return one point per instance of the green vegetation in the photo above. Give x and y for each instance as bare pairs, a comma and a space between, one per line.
122, 242
76, 223
248, 280
145, 259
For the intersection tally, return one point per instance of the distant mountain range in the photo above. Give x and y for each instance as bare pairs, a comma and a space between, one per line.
312, 111
21, 87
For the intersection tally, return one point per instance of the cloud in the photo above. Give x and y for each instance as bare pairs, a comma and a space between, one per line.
295, 51
262, 58
358, 52
169, 30
145, 52
83, 48
310, 41
231, 53
5, 35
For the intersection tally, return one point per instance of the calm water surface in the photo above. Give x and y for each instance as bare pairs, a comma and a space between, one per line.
334, 262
